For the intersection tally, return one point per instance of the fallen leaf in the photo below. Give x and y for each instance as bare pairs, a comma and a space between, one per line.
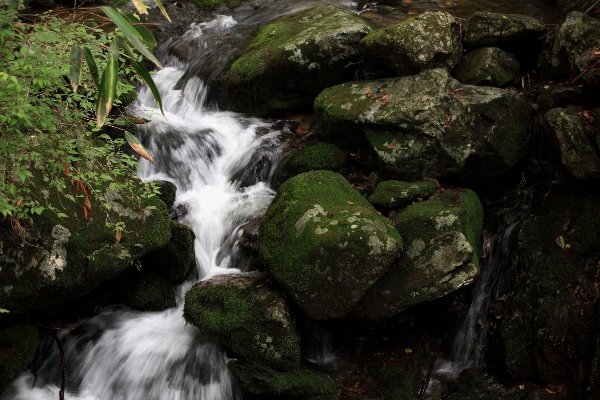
350, 203
448, 119
20, 201
521, 387
67, 169
329, 215
385, 98
118, 236
457, 90
392, 145
550, 391
371, 94
368, 88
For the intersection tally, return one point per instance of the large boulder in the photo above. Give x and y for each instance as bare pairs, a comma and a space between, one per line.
430, 40
579, 151
293, 59
488, 66
247, 315
501, 30
393, 194
443, 239
428, 125
325, 244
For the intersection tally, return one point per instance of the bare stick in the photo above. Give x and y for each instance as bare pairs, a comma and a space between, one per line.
593, 5
61, 393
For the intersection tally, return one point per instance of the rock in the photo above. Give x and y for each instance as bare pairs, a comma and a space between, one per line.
311, 158
565, 6
168, 192
295, 58
176, 260
488, 66
554, 95
18, 340
578, 148
304, 382
567, 51
430, 40
592, 80
443, 239
394, 194
247, 315
428, 125
325, 244
484, 29
147, 291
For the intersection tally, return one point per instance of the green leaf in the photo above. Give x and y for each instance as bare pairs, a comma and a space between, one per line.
4, 311
141, 71
120, 3
145, 35
91, 63
162, 9
62, 215
126, 120
131, 139
108, 85
76, 59
132, 35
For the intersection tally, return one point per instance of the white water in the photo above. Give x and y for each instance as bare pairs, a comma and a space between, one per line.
122, 354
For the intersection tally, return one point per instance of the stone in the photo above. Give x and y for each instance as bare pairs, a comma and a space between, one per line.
578, 149
488, 66
248, 315
428, 126
566, 6
293, 59
18, 340
553, 95
430, 40
484, 29
442, 236
394, 194
146, 291
325, 244
168, 192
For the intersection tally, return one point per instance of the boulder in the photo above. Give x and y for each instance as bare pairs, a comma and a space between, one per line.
18, 339
293, 59
488, 66
576, 143
394, 194
553, 95
443, 239
325, 244
167, 192
506, 31
146, 291
247, 315
565, 6
428, 125
430, 40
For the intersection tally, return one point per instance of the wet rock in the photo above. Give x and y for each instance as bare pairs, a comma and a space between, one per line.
307, 381
168, 191
576, 142
146, 291
393, 194
553, 95
315, 157
430, 40
592, 80
443, 238
428, 125
488, 66
567, 51
295, 58
18, 340
501, 30
247, 315
325, 244
565, 6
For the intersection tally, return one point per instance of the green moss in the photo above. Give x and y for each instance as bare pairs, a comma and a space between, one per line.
18, 340
176, 260
149, 292
392, 194
168, 192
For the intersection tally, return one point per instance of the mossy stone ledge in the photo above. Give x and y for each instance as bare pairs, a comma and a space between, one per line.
393, 194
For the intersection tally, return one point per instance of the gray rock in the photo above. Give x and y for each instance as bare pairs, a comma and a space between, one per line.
488, 66
500, 30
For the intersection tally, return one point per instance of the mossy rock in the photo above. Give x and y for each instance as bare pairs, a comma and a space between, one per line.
306, 381
311, 158
247, 315
443, 239
554, 95
18, 339
146, 291
168, 192
592, 81
576, 143
325, 244
429, 40
428, 126
566, 6
488, 66
393, 194
176, 260
295, 58
506, 31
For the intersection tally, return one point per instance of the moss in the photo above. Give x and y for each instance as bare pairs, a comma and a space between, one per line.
392, 194
129, 96
501, 30
168, 192
149, 292
18, 340
488, 66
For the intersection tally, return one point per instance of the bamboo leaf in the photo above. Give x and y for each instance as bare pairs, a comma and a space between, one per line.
76, 59
141, 71
132, 35
91, 63
108, 85
131, 138
162, 10
140, 6
137, 146
145, 35
120, 3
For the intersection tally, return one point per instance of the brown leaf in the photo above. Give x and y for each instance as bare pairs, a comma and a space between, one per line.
448, 119
392, 145
118, 236
20, 201
86, 204
86, 213
350, 203
457, 90
385, 98
329, 215
368, 88
67, 169
138, 148
371, 94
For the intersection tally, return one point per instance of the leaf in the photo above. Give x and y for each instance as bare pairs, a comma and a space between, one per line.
108, 85
120, 3
86, 214
76, 59
162, 10
132, 35
118, 236
91, 63
136, 145
392, 145
4, 311
126, 120
140, 6
144, 33
86, 204
142, 73
350, 203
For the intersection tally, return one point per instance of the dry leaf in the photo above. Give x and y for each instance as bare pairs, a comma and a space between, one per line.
118, 236
138, 148
329, 215
20, 201
550, 391
392, 145
350, 203
86, 204
86, 213
368, 88
448, 119
457, 90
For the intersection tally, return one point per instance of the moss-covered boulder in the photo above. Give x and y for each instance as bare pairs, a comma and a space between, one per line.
430, 40
428, 125
247, 315
443, 239
18, 339
311, 158
567, 51
168, 192
488, 66
325, 244
501, 30
293, 59
67, 253
146, 291
392, 194
306, 381
176, 260
576, 143
555, 95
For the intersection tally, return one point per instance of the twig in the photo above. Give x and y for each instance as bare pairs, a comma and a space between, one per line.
593, 5
61, 393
